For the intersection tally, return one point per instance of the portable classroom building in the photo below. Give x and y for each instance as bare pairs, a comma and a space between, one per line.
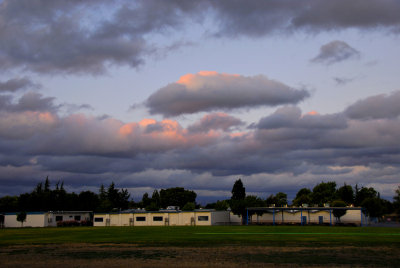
306, 215
45, 219
162, 218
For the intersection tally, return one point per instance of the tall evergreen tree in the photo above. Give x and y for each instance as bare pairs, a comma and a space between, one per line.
237, 201
238, 190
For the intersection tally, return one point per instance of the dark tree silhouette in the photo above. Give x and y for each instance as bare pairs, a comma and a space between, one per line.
237, 202
21, 217
338, 213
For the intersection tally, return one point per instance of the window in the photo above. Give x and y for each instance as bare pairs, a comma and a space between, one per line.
59, 218
157, 218
77, 218
99, 219
140, 218
202, 218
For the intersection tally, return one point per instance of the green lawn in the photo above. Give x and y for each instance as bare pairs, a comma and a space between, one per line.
213, 246
207, 236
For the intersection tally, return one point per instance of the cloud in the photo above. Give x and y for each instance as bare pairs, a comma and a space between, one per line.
85, 37
215, 121
291, 117
16, 84
30, 101
259, 18
376, 107
282, 148
209, 91
335, 51
88, 37
341, 81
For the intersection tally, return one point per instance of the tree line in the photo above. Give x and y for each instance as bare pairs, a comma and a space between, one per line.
44, 198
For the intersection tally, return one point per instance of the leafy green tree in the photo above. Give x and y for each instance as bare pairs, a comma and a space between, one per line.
373, 206
177, 196
254, 201
189, 206
88, 201
338, 213
21, 217
363, 194
346, 194
303, 196
324, 192
221, 205
9, 203
279, 200
152, 207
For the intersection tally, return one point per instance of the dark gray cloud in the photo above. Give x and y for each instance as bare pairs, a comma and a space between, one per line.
53, 36
215, 121
291, 117
341, 81
209, 91
258, 18
30, 101
334, 52
15, 84
376, 107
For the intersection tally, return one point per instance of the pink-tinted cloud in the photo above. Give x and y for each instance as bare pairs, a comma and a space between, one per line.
209, 91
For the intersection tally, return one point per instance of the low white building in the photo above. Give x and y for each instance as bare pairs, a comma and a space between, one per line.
162, 218
306, 215
46, 219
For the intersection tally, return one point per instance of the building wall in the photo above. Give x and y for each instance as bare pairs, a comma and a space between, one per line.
311, 217
52, 217
100, 216
234, 219
32, 220
186, 218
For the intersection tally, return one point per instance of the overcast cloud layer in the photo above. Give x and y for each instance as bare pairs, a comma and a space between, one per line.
348, 145
208, 128
89, 36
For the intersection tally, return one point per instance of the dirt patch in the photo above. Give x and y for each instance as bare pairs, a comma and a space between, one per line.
128, 255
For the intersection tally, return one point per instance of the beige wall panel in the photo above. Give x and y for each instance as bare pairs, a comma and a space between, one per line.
32, 220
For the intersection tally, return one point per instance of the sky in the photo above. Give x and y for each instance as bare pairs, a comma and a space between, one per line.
152, 94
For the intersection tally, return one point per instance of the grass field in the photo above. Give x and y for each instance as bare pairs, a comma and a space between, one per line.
213, 246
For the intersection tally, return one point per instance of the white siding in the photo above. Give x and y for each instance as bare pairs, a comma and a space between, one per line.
32, 220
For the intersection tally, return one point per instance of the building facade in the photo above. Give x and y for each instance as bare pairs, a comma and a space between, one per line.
307, 215
162, 218
46, 219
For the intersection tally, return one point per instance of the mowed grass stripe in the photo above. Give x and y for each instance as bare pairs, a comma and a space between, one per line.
204, 235
348, 234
